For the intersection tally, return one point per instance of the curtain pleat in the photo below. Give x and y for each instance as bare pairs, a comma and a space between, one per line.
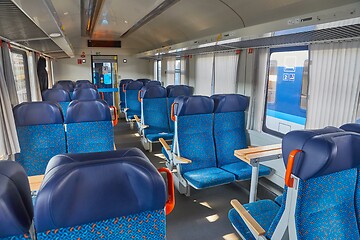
203, 74
334, 84
226, 67
34, 83
9, 75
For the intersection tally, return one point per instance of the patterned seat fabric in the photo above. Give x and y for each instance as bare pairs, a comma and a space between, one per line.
326, 168
15, 202
128, 192
196, 141
230, 134
131, 99
41, 134
154, 113
59, 96
122, 85
85, 94
89, 127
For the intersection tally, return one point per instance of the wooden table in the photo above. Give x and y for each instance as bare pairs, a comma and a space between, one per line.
253, 156
35, 182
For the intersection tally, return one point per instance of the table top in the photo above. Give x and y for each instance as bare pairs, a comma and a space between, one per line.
35, 182
248, 154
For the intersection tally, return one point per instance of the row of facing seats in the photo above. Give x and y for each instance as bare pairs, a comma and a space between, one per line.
207, 131
128, 192
42, 133
322, 190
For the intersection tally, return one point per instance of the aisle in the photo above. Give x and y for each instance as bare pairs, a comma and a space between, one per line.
201, 216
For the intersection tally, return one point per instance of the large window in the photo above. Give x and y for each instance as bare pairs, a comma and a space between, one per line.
19, 64
177, 71
287, 85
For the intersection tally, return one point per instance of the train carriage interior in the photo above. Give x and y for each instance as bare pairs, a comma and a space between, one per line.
179, 119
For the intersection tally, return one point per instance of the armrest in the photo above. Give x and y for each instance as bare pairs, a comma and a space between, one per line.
125, 109
164, 144
181, 160
248, 219
144, 126
137, 118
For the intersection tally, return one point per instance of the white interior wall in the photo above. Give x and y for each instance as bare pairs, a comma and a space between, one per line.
69, 69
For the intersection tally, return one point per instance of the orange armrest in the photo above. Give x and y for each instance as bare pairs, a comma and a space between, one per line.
164, 144
181, 160
248, 219
137, 118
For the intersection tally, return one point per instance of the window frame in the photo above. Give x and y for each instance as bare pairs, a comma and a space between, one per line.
26, 70
264, 128
177, 71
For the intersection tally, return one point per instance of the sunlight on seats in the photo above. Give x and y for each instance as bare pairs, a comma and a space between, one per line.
231, 236
205, 204
160, 155
162, 162
136, 134
212, 218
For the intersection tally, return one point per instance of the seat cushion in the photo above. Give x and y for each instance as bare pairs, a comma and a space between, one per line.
263, 212
154, 137
242, 170
208, 177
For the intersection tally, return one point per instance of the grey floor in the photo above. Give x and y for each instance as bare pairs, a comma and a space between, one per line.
203, 215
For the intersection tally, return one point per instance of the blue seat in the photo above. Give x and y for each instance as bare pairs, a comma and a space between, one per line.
82, 81
85, 94
41, 134
154, 115
60, 96
153, 83
67, 86
89, 127
194, 140
122, 85
15, 202
125, 200
351, 127
84, 85
230, 134
144, 81
131, 100
320, 197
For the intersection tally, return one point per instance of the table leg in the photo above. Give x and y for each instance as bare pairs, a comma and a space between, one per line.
254, 183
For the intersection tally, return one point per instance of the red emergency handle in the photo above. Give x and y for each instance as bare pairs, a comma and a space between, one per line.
170, 203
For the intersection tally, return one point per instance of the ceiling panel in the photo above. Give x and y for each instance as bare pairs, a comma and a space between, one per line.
15, 25
117, 16
46, 45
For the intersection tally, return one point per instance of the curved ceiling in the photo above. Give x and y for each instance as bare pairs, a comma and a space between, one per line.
185, 20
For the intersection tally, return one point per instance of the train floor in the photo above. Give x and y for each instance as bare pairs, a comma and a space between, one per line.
203, 215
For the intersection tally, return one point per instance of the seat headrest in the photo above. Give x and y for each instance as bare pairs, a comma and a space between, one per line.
322, 154
37, 113
15, 200
87, 111
125, 81
86, 94
178, 90
82, 81
65, 86
56, 95
143, 80
122, 186
153, 91
62, 159
185, 105
84, 85
230, 103
153, 83
351, 127
168, 88
135, 85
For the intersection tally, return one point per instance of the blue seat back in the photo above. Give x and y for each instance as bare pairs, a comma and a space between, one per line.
194, 116
84, 85
60, 96
89, 127
85, 94
174, 91
82, 81
327, 174
122, 85
154, 110
41, 134
143, 80
128, 192
15, 202
153, 83
131, 98
229, 126
68, 86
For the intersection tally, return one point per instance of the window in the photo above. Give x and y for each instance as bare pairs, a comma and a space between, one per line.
287, 85
158, 70
177, 71
19, 64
